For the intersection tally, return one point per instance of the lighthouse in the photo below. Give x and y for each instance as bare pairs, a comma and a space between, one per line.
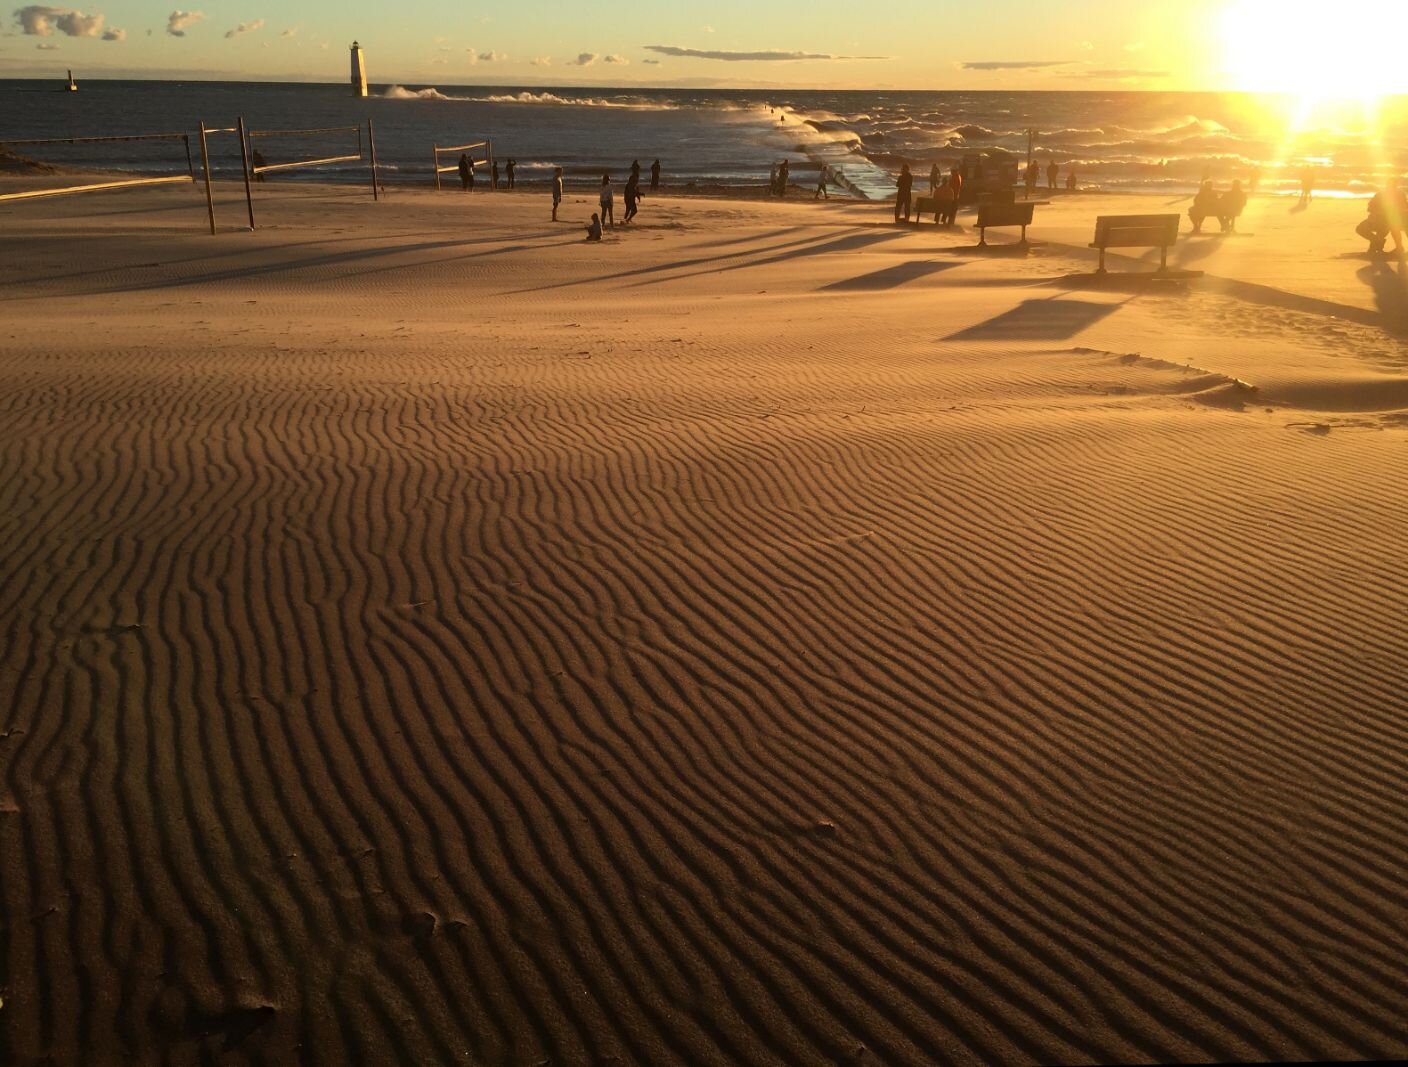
359, 71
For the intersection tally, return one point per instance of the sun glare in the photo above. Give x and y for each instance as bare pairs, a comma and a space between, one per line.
1340, 51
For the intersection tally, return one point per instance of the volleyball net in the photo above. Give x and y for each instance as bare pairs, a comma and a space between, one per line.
104, 183
324, 147
441, 151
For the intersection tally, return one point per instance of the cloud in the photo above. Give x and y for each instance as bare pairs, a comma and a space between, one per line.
584, 59
47, 47
652, 62
37, 20
1013, 64
178, 22
115, 35
1121, 72
292, 31
618, 60
740, 57
245, 27
541, 61
491, 56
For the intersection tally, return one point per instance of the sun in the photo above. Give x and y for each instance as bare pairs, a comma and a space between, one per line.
1346, 50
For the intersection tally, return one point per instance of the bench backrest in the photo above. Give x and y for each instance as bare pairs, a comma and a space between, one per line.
1136, 231
1005, 214
997, 196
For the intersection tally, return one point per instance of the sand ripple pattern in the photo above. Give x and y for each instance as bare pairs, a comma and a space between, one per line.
606, 703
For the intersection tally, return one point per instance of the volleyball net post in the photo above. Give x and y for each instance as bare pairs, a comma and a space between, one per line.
103, 186
206, 133
442, 150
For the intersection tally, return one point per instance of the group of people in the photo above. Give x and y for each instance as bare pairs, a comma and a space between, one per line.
467, 173
778, 178
607, 198
946, 190
1225, 207
1031, 177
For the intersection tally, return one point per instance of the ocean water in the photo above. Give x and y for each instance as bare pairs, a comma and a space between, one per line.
1115, 141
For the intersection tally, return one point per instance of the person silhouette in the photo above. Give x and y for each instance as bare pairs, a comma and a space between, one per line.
608, 200
466, 173
632, 195
1307, 184
821, 193
509, 171
594, 228
556, 190
904, 184
655, 176
1205, 204
494, 176
1052, 173
782, 170
1234, 202
933, 179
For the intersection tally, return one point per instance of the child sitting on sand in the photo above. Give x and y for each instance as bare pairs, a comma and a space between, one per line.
594, 230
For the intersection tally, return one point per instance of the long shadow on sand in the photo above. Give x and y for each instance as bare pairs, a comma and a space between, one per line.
1389, 281
677, 265
890, 277
853, 243
1051, 319
284, 266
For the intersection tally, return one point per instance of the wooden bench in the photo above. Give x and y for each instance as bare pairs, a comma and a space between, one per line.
1138, 231
923, 204
1000, 214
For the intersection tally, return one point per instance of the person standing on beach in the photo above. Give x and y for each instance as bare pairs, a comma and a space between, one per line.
821, 193
655, 176
556, 190
494, 175
782, 178
933, 179
905, 183
509, 170
608, 200
1032, 177
466, 174
1052, 173
955, 178
945, 203
772, 180
632, 195
1307, 184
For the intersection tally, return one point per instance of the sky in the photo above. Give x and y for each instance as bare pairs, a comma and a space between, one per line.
932, 44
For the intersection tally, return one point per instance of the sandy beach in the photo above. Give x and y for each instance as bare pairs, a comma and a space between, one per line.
768, 636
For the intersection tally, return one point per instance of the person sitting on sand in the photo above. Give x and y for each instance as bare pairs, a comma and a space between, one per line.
821, 193
1230, 209
608, 201
1386, 215
594, 228
904, 184
556, 190
1206, 204
466, 173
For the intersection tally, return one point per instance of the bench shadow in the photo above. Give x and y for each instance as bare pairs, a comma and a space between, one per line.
851, 243
1049, 319
890, 277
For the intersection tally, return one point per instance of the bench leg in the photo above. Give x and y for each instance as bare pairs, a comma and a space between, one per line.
1101, 268
1163, 260
982, 238
1024, 235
